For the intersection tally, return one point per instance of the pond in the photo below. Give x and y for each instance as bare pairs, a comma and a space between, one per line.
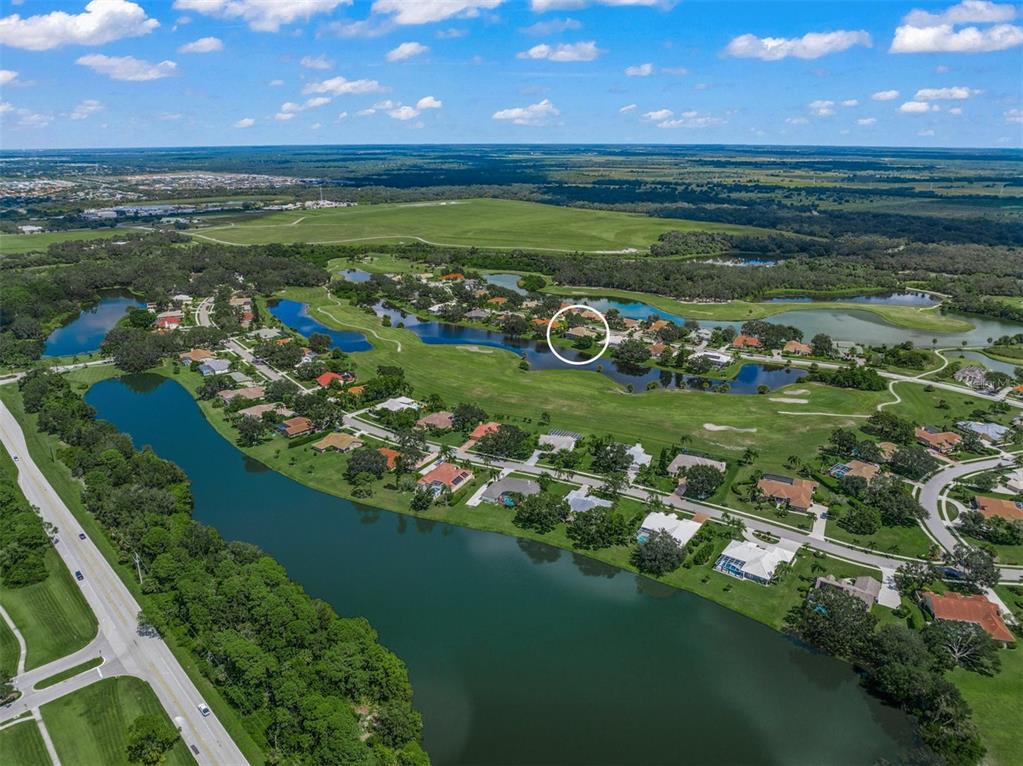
85, 333
507, 281
296, 316
356, 275
520, 653
983, 360
909, 298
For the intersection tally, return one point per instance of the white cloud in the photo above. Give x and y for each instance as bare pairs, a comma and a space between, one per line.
925, 133
429, 102
627, 108
407, 12
316, 126
866, 121
850, 102
406, 51
956, 110
403, 113
342, 116
956, 93
261, 15
339, 86
26, 117
5, 107
127, 68
102, 21
552, 27
885, 95
562, 52
917, 107
316, 62
275, 83
658, 114
533, 115
290, 107
925, 32
676, 71
640, 70
245, 122
386, 104
86, 108
691, 120
284, 116
563, 5
7, 76
810, 46
1014, 116
822, 107
203, 45
365, 112
796, 121
450, 34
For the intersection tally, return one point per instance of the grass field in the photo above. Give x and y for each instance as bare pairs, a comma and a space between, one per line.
22, 745
996, 707
9, 650
52, 615
462, 223
95, 662
90, 726
27, 243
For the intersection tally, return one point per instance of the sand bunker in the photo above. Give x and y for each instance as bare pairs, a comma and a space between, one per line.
477, 349
789, 400
797, 391
716, 427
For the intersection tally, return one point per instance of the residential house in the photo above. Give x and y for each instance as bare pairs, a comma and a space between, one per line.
500, 300
476, 314
339, 442
716, 358
972, 376
397, 404
936, 439
240, 378
682, 530
483, 429
1014, 481
656, 349
251, 393
445, 476
504, 491
441, 421
658, 325
685, 460
214, 367
797, 348
859, 468
296, 426
326, 379
391, 455
580, 501
181, 299
865, 588
578, 333
167, 323
756, 561
559, 440
976, 609
991, 432
888, 450
991, 507
266, 333
258, 410
454, 276
746, 341
195, 355
797, 494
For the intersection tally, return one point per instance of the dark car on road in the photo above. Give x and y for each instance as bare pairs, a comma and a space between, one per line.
78, 575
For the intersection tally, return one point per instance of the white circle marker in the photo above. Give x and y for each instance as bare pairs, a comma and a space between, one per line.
582, 307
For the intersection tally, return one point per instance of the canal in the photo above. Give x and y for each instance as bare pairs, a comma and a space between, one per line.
520, 653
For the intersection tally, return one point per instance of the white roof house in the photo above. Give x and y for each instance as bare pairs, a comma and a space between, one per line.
990, 431
716, 358
398, 404
559, 440
681, 529
266, 333
580, 501
638, 454
755, 561
688, 461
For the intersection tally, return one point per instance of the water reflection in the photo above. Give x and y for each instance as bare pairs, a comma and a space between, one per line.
85, 333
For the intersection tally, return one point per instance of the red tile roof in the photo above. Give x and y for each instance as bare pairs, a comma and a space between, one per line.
327, 378
448, 474
483, 429
795, 347
746, 341
392, 456
796, 492
995, 506
976, 609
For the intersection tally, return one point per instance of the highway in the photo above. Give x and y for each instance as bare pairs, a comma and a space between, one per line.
125, 652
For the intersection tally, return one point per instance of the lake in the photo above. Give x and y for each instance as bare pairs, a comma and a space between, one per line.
520, 653
750, 377
909, 298
85, 333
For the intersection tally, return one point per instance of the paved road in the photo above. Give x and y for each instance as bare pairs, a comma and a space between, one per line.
116, 611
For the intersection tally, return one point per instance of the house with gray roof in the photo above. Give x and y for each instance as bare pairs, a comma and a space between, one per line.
580, 501
214, 367
992, 432
685, 460
503, 491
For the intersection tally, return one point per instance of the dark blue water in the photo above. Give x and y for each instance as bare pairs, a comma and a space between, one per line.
296, 316
84, 334
884, 299
520, 653
356, 275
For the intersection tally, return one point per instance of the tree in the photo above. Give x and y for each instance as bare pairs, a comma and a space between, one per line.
822, 345
913, 462
250, 432
541, 513
702, 481
365, 460
597, 528
506, 441
609, 456
632, 353
975, 565
833, 621
861, 520
891, 427
421, 500
963, 644
466, 417
912, 577
149, 739
659, 555
319, 342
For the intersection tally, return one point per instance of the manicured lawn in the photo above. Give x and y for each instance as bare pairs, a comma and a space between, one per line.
26, 243
90, 726
52, 615
22, 745
738, 311
901, 541
463, 223
70, 672
9, 650
996, 705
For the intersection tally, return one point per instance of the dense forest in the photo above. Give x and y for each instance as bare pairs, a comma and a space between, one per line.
312, 687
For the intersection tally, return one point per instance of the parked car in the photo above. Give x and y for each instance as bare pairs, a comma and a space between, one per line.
78, 575
194, 749
204, 709
81, 535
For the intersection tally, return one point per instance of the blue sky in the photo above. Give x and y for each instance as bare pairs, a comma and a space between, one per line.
223, 72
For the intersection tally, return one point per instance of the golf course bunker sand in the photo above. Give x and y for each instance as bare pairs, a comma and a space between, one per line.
798, 391
789, 400
477, 349
716, 427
